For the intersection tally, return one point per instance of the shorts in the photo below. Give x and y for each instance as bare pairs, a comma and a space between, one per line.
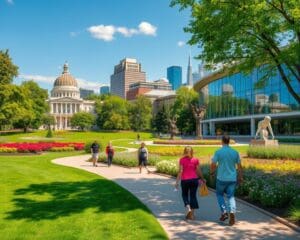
95, 155
142, 161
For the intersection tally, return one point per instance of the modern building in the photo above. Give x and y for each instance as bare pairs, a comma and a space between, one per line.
128, 71
141, 88
65, 100
174, 75
85, 92
104, 89
235, 103
189, 74
196, 77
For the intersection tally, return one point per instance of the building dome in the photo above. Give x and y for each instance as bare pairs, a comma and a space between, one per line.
65, 79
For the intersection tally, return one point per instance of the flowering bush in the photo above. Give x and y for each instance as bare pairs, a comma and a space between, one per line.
61, 149
40, 146
191, 142
7, 150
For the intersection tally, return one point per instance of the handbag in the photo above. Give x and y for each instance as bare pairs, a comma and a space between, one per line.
203, 190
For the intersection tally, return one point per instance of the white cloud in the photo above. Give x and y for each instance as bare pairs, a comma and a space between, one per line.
147, 29
107, 32
180, 43
10, 1
38, 78
102, 32
126, 32
82, 83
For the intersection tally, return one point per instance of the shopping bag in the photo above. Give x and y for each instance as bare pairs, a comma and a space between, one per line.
203, 190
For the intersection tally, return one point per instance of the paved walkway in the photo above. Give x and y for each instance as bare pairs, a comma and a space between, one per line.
157, 192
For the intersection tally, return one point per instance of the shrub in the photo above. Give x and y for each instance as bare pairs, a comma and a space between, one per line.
294, 211
61, 149
49, 133
7, 150
87, 147
279, 152
128, 159
168, 167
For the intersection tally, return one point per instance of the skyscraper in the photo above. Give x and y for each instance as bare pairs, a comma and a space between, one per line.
174, 75
104, 89
189, 74
128, 71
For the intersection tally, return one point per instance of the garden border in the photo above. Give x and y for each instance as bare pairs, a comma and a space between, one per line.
275, 217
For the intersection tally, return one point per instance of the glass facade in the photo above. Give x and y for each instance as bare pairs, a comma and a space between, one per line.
241, 95
174, 75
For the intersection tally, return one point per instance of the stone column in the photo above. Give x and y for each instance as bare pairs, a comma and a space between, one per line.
65, 122
60, 122
212, 128
51, 107
252, 127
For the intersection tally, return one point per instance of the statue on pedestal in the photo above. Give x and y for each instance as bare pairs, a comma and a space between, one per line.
173, 127
198, 113
263, 127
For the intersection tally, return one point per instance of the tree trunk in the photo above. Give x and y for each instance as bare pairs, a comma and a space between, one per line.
287, 83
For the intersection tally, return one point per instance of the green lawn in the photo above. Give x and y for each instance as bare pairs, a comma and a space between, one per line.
40, 200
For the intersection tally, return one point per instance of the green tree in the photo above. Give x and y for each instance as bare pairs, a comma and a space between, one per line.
185, 97
39, 106
242, 35
161, 120
48, 120
7, 69
15, 105
82, 120
112, 113
140, 114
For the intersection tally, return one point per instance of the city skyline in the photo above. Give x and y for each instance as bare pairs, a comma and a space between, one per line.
41, 36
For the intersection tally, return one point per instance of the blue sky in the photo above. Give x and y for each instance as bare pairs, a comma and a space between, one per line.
93, 36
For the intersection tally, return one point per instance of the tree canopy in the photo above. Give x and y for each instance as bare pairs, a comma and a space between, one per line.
112, 113
7, 69
140, 114
241, 35
82, 120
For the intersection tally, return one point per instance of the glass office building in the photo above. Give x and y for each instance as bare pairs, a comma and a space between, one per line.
174, 75
235, 103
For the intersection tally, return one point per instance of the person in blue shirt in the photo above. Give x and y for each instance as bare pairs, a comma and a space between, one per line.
226, 161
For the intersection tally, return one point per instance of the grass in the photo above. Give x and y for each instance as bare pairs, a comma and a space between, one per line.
46, 201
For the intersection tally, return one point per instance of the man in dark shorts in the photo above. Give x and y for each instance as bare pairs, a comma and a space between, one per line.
143, 157
95, 152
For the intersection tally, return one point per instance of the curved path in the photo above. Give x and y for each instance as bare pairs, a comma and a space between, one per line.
157, 193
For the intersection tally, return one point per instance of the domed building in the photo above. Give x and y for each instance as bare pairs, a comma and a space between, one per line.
65, 100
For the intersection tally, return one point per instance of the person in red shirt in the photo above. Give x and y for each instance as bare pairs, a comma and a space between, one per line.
189, 173
109, 153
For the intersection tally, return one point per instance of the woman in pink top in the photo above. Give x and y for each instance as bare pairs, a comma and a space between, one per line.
189, 173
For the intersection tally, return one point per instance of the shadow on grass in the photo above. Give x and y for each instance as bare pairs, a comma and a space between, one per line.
58, 199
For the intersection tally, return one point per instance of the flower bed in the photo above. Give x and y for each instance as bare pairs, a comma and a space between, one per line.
270, 183
191, 142
39, 147
7, 150
279, 152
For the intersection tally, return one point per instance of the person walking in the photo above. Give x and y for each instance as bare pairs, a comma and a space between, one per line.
95, 152
109, 153
143, 157
225, 161
189, 174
